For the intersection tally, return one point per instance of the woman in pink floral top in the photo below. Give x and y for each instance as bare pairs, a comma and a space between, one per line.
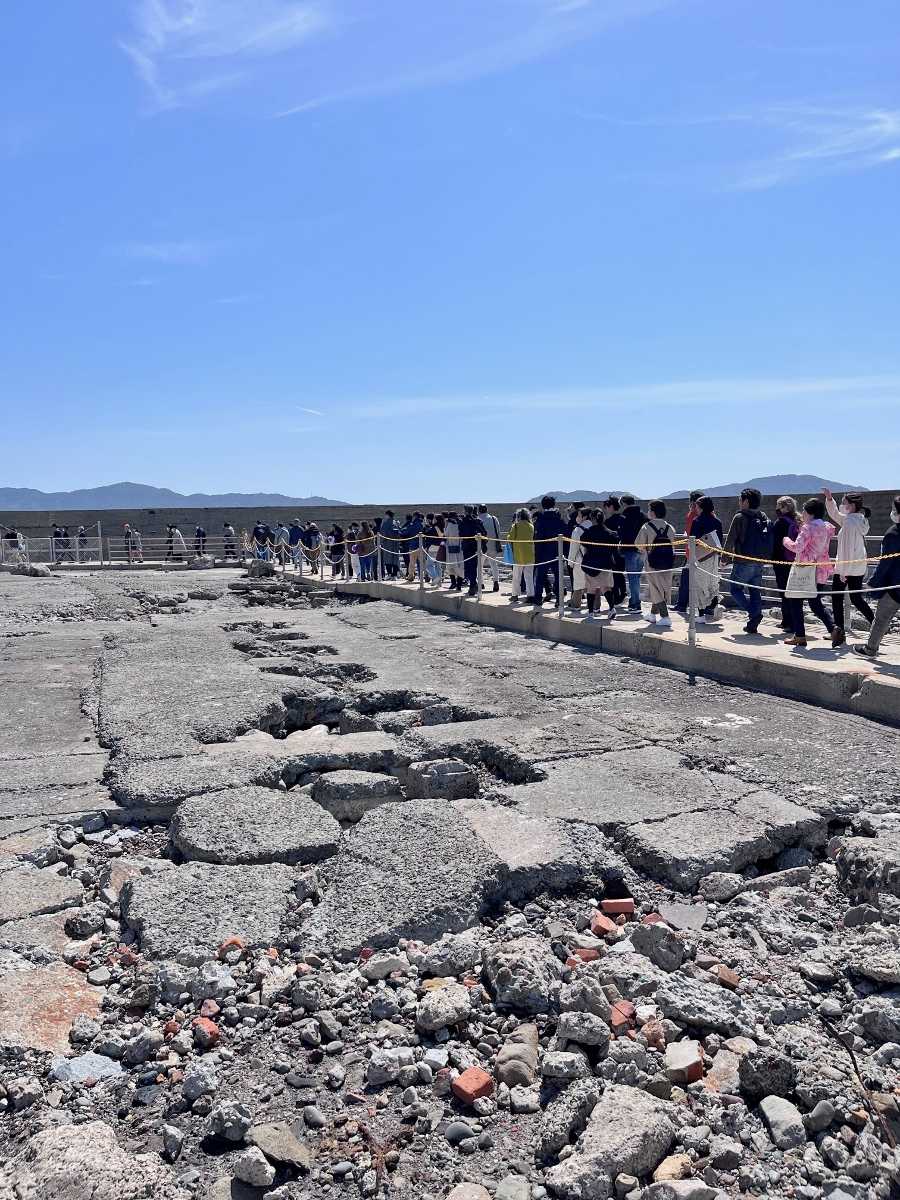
811, 545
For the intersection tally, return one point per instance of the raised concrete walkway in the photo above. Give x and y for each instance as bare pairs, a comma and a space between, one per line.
836, 679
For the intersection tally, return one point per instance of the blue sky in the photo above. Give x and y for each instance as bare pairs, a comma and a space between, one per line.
386, 249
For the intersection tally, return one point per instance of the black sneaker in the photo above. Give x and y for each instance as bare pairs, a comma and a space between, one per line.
752, 626
865, 651
496, 587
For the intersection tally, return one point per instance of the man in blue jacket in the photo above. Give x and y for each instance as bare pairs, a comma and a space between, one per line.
887, 577
410, 530
633, 521
548, 525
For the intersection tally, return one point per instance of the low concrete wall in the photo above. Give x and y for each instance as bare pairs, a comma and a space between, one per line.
852, 691
153, 522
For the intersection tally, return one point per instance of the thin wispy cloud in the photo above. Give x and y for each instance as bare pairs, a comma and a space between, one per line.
536, 29
182, 252
824, 140
874, 390
313, 412
183, 50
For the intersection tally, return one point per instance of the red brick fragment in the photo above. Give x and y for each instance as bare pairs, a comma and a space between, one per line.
209, 1008
366, 953
586, 954
728, 978
614, 907
602, 926
622, 1016
170, 1028
472, 1085
206, 1032
231, 943
652, 919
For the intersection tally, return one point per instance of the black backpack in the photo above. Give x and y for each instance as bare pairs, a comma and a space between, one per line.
758, 535
661, 555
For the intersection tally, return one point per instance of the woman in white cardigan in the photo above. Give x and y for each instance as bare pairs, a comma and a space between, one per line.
852, 520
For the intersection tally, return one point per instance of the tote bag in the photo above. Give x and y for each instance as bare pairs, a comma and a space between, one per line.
801, 584
508, 554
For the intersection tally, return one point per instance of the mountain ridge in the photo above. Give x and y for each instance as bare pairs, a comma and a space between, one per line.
126, 495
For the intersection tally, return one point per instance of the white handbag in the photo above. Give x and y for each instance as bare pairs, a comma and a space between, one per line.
801, 584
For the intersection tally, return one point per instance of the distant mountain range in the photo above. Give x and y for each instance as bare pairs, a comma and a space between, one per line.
568, 497
143, 495
798, 486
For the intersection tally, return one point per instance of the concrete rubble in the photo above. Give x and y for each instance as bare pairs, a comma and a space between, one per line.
345, 900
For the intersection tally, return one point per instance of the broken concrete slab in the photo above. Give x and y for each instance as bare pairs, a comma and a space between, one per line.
867, 866
45, 932
254, 825
30, 891
318, 749
684, 848
185, 913
156, 787
441, 779
628, 1132
384, 885
348, 795
539, 852
39, 1004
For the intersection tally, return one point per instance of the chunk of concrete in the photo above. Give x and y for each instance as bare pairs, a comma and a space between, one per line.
39, 1004
701, 1005
523, 974
349, 795
566, 1116
628, 1132
156, 786
58, 1162
385, 884
186, 913
441, 779
254, 825
31, 891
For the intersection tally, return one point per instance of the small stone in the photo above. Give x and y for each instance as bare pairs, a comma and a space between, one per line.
443, 1007
675, 1166
684, 1061
820, 1117
784, 1121
229, 1121
458, 1131
278, 1142
251, 1166
99, 976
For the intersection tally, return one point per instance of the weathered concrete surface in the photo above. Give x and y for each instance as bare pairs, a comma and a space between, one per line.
348, 795
29, 892
254, 825
385, 884
187, 912
73, 1162
39, 1004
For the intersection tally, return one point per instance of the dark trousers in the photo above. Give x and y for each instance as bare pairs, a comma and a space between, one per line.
782, 570
795, 612
684, 590
470, 564
620, 587
541, 583
852, 583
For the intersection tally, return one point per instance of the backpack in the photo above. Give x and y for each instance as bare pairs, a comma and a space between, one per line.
758, 536
661, 556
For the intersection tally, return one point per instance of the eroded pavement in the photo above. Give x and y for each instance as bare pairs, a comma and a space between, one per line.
215, 818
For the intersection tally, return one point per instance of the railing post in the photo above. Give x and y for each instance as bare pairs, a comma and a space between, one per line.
479, 564
691, 591
346, 559
379, 565
421, 558
560, 567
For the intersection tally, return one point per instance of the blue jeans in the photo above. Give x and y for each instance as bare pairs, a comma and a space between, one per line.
747, 598
634, 564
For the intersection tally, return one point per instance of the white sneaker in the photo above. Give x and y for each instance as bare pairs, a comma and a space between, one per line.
664, 623
701, 620
650, 618
589, 616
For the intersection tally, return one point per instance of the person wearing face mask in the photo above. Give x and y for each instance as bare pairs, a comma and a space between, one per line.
784, 526
810, 572
852, 520
886, 580
583, 521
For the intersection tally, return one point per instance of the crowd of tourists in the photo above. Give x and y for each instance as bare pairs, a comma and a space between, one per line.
610, 548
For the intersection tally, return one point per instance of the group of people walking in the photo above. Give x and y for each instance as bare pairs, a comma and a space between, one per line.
610, 548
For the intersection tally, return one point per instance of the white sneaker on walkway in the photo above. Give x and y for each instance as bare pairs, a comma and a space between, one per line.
664, 623
650, 618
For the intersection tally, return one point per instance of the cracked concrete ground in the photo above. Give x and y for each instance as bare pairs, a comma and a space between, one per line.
115, 710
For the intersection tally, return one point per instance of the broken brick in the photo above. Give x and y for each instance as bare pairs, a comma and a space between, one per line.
652, 919
614, 907
206, 1033
231, 943
726, 977
586, 954
602, 926
622, 1016
472, 1085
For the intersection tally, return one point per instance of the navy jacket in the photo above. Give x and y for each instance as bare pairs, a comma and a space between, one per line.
548, 524
633, 521
602, 556
887, 573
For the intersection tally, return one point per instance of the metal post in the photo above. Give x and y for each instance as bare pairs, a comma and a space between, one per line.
346, 559
560, 568
691, 591
321, 559
301, 554
379, 565
421, 556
